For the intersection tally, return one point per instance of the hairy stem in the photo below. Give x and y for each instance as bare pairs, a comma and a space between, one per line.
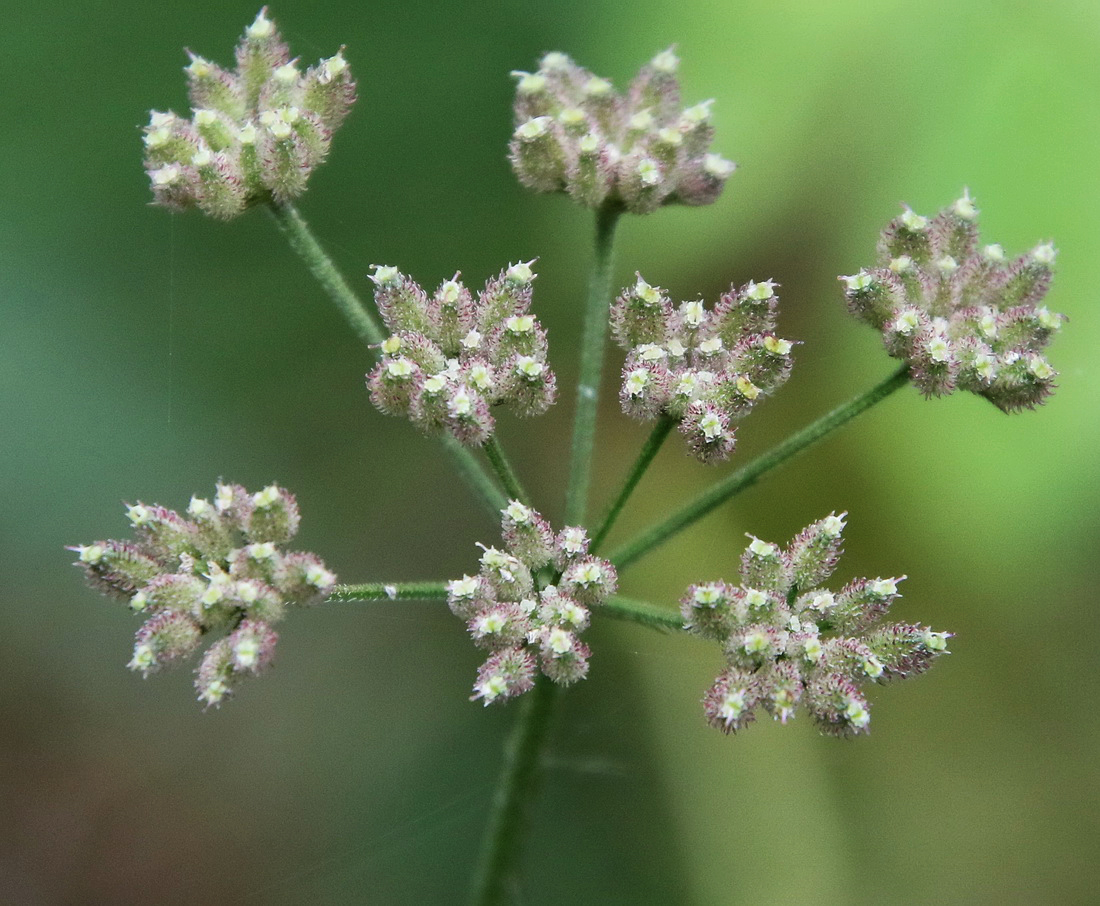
502, 844
301, 239
642, 612
588, 385
645, 457
754, 471
504, 470
480, 481
389, 591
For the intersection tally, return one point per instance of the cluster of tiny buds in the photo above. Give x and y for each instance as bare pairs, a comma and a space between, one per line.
576, 134
787, 641
220, 568
704, 368
963, 316
530, 602
254, 134
452, 357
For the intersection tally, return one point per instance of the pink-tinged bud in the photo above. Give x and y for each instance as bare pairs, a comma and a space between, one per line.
303, 579
329, 90
645, 388
451, 316
161, 532
837, 706
505, 674
863, 601
274, 516
212, 88
170, 591
709, 434
764, 566
165, 637
401, 302
730, 703
813, 553
571, 545
527, 385
453, 357
394, 383
116, 568
784, 691
501, 625
506, 575
556, 609
906, 649
589, 580
258, 600
252, 646
562, 656
641, 315
468, 595
934, 362
708, 610
754, 645
752, 308
537, 155
527, 534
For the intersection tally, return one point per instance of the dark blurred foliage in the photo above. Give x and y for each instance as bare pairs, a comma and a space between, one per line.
146, 354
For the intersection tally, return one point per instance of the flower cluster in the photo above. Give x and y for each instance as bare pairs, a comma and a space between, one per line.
963, 316
451, 356
575, 134
222, 568
702, 367
789, 642
530, 602
254, 134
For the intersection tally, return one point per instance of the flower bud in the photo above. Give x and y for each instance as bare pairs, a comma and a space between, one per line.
505, 674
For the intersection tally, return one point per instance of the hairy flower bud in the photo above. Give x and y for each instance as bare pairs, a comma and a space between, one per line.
962, 316
702, 367
510, 608
575, 134
254, 134
453, 357
219, 569
789, 643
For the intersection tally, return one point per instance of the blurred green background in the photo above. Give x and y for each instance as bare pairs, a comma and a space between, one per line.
147, 354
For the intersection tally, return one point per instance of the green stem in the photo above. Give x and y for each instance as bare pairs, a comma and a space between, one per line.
389, 591
480, 481
754, 471
645, 457
504, 470
642, 612
588, 385
502, 843
302, 240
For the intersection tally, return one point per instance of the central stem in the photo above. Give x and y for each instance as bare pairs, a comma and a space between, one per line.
588, 384
500, 850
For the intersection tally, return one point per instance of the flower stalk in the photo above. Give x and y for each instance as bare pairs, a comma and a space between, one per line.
592, 349
747, 476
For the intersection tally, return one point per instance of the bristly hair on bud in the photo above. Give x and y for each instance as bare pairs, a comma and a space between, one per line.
964, 316
789, 643
452, 357
705, 368
220, 568
574, 133
529, 603
254, 134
